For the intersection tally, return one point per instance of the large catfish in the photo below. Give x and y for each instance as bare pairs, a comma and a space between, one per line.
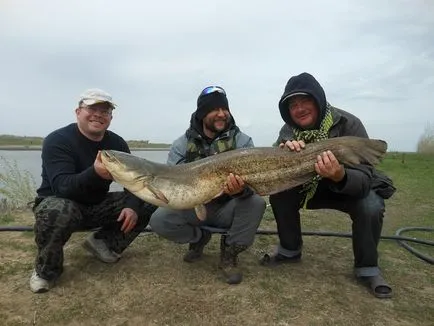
267, 170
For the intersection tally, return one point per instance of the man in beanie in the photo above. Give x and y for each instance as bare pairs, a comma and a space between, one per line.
359, 191
212, 131
74, 194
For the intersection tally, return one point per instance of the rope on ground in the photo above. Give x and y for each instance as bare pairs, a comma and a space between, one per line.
400, 239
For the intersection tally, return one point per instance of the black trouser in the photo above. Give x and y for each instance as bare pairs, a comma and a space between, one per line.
58, 218
366, 215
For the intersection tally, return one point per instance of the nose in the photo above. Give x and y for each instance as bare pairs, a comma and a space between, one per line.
221, 112
295, 104
98, 113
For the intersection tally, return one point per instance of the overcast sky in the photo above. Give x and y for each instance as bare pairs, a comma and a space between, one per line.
374, 58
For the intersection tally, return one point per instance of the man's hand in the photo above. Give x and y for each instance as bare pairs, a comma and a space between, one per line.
100, 169
234, 185
293, 145
129, 217
328, 166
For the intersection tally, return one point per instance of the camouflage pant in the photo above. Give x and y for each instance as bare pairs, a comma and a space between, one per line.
58, 218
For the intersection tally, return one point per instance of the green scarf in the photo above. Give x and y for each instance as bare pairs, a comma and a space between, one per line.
198, 148
310, 136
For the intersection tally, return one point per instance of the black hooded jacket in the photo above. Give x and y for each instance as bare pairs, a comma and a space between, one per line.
196, 128
303, 83
358, 180
177, 153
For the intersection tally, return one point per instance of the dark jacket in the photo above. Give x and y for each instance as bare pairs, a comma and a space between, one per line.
303, 83
177, 153
358, 180
67, 167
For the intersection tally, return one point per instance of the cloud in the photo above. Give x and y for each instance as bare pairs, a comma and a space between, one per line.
373, 58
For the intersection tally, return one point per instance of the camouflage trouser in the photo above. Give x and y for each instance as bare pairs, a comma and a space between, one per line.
58, 218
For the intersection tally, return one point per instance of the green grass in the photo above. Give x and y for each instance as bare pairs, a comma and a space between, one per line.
9, 140
6, 218
151, 285
28, 142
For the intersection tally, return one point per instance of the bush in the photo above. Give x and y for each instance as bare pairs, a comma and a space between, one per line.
17, 187
426, 141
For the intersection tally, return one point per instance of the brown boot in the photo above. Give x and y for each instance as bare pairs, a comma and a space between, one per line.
229, 262
195, 250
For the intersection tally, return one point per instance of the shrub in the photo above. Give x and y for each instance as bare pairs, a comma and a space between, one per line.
17, 187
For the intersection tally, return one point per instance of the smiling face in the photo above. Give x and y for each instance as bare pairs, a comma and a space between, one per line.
94, 120
216, 121
303, 111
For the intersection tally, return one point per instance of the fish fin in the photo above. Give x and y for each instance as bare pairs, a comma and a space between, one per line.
158, 194
263, 189
218, 195
200, 212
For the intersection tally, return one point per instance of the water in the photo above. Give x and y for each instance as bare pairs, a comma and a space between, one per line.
31, 161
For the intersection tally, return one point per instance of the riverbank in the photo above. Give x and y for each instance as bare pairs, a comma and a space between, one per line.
38, 148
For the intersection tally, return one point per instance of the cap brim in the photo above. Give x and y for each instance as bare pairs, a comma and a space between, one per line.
294, 94
93, 101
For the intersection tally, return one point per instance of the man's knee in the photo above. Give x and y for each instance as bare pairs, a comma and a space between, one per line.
58, 212
371, 207
145, 214
257, 203
161, 220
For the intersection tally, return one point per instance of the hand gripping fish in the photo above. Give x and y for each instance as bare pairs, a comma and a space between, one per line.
267, 170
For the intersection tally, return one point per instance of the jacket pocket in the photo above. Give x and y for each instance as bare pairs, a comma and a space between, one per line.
382, 185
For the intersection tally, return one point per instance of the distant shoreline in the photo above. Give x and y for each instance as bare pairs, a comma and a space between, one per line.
38, 148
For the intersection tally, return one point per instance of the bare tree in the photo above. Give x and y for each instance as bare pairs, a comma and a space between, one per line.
426, 141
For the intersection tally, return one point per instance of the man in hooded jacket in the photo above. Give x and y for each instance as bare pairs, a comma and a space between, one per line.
212, 131
309, 117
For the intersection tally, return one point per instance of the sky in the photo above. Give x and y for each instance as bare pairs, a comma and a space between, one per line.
374, 58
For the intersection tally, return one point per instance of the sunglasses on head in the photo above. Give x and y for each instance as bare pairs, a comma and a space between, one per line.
213, 89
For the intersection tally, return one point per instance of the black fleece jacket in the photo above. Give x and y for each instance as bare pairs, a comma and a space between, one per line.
67, 167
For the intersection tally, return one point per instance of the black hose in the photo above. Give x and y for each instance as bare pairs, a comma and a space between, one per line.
400, 239
16, 228
415, 252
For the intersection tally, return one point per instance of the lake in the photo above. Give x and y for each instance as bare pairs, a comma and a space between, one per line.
31, 161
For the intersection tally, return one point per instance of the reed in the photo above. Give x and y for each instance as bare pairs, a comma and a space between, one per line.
17, 186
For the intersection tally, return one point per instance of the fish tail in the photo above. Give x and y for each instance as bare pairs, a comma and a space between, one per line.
354, 150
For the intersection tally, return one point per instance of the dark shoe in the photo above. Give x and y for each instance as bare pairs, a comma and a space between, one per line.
229, 262
195, 250
379, 287
278, 259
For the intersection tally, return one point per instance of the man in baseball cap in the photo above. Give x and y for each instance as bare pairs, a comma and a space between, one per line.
74, 193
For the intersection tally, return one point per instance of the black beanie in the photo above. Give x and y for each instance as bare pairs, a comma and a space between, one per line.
208, 102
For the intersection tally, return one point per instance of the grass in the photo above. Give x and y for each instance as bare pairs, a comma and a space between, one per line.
151, 285
26, 142
20, 140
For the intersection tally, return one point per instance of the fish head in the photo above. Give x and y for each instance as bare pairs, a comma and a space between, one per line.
132, 172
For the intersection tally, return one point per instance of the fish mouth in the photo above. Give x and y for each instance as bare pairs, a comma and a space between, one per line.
108, 155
